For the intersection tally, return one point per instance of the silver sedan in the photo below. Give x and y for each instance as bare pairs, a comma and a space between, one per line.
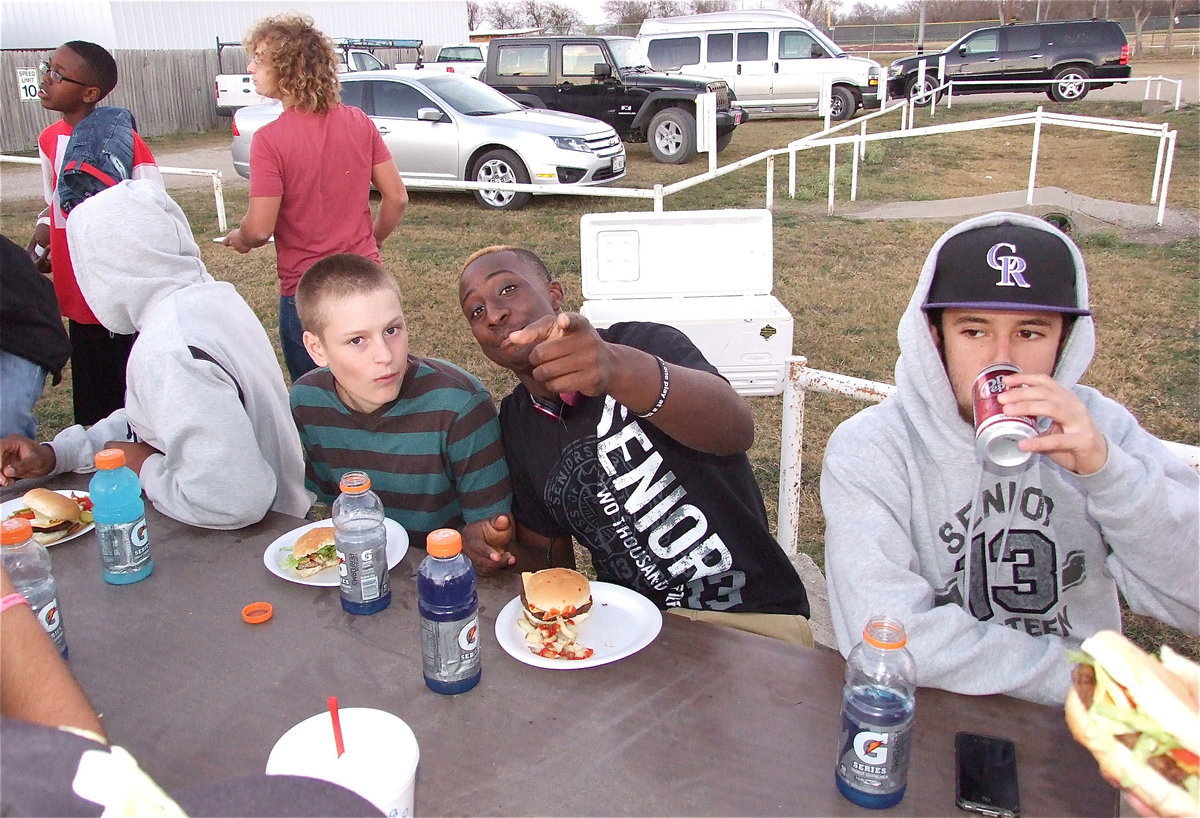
451, 127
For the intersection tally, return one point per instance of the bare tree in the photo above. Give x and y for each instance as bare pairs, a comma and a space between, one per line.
633, 12
562, 19
808, 9
474, 15
504, 15
709, 6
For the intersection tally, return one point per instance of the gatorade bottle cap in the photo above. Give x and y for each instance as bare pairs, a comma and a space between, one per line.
445, 542
15, 530
355, 482
110, 459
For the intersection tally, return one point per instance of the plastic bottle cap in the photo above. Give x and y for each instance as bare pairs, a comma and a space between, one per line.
355, 482
15, 530
110, 459
257, 612
445, 542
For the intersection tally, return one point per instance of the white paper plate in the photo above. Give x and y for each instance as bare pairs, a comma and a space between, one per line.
622, 622
397, 547
10, 507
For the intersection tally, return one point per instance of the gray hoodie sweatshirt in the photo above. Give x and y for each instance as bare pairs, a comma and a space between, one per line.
903, 493
203, 384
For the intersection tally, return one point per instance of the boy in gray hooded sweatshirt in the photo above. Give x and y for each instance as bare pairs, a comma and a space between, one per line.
1100, 506
206, 422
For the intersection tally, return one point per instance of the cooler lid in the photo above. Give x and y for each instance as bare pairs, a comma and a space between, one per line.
676, 254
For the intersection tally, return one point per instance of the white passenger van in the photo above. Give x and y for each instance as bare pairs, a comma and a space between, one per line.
775, 61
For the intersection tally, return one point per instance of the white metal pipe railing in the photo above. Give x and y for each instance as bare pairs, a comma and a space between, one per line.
798, 380
218, 187
1036, 118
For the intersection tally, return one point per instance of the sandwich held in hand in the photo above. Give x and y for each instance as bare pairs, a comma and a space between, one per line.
555, 601
54, 516
1140, 718
312, 553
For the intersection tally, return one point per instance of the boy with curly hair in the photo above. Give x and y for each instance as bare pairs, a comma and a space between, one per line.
311, 170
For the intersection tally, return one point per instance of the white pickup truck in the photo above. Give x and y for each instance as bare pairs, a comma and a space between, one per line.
468, 60
235, 91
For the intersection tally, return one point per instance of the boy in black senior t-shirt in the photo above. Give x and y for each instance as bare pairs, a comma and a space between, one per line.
628, 440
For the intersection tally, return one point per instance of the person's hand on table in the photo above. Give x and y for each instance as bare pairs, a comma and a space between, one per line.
21, 457
486, 543
135, 453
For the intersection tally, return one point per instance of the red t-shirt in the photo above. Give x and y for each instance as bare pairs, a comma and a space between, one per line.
320, 164
52, 145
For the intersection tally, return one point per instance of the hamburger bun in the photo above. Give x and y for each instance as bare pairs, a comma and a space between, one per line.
51, 505
555, 592
313, 540
1154, 692
306, 551
54, 515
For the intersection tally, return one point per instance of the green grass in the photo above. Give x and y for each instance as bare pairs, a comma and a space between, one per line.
845, 280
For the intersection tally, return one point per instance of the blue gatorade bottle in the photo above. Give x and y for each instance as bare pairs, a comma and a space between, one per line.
120, 517
449, 607
878, 704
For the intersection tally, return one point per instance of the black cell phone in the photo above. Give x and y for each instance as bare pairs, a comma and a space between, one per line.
986, 775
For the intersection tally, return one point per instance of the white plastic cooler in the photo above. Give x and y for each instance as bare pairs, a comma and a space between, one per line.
707, 273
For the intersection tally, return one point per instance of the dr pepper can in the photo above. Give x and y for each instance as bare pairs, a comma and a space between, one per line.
997, 434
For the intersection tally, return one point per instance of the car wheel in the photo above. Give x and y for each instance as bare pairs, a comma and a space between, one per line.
500, 166
1070, 84
723, 141
919, 92
841, 104
673, 136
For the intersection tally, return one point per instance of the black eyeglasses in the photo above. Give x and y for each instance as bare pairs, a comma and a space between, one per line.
55, 76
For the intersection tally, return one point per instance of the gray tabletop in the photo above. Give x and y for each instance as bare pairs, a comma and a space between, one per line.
703, 721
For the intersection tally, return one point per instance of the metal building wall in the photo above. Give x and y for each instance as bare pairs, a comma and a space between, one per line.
188, 24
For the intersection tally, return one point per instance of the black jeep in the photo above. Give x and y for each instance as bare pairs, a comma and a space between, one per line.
610, 79
1067, 54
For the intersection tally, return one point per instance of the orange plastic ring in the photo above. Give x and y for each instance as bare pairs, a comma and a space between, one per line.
257, 612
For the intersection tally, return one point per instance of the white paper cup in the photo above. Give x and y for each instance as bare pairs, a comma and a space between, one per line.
380, 762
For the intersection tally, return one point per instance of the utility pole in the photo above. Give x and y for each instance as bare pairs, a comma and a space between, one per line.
1038, 12
921, 30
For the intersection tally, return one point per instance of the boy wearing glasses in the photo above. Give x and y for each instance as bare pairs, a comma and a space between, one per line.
75, 79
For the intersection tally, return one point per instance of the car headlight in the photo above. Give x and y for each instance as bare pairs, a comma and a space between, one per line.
571, 143
895, 70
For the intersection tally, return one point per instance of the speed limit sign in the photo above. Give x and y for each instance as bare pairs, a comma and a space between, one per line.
27, 82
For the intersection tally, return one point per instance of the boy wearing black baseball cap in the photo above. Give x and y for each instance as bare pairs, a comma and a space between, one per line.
996, 572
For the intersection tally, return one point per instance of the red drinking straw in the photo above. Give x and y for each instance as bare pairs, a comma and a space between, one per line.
337, 725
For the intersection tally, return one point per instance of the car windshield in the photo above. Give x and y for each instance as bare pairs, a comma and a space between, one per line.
469, 96
629, 54
830, 46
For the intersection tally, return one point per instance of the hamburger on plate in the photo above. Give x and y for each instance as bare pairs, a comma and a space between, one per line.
53, 516
554, 601
1140, 717
312, 552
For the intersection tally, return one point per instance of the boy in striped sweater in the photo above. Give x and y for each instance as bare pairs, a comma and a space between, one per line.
422, 428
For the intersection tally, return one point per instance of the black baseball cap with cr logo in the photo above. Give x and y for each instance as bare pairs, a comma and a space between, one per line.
1022, 264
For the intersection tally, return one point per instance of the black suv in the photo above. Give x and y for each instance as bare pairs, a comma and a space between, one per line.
1066, 53
610, 79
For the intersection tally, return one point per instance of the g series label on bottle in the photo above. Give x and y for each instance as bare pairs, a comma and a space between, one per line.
362, 578
52, 623
450, 649
874, 759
